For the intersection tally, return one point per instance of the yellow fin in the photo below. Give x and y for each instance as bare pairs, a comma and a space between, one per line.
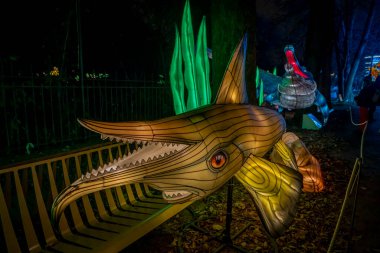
275, 190
282, 154
233, 89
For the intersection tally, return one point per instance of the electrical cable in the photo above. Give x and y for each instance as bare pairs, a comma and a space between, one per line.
354, 181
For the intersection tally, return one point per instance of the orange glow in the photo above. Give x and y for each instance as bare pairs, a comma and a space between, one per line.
312, 176
375, 70
55, 71
307, 164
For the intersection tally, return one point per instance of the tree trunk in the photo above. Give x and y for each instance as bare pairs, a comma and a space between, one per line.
319, 44
230, 19
251, 64
340, 72
359, 52
349, 24
250, 23
344, 16
326, 76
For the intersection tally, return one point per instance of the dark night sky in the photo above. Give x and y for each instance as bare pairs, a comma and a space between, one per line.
114, 36
136, 36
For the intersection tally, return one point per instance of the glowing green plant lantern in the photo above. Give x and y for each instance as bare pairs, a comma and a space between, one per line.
275, 71
261, 94
202, 67
257, 77
196, 66
176, 77
259, 82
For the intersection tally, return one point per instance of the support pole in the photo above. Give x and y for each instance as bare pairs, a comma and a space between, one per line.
80, 53
227, 239
227, 233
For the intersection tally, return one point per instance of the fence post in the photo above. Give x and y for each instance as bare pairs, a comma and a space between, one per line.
80, 53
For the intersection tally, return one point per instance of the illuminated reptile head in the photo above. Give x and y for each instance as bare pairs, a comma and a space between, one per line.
292, 64
190, 155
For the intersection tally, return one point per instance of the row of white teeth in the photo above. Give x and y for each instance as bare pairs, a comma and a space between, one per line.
114, 166
175, 194
119, 139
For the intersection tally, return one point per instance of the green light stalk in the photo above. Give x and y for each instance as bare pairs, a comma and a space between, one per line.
261, 96
188, 57
176, 77
195, 74
202, 67
257, 77
260, 85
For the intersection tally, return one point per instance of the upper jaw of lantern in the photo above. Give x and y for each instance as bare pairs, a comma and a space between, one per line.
130, 168
154, 143
143, 154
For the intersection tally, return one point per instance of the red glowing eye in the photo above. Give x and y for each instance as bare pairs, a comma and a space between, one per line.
218, 160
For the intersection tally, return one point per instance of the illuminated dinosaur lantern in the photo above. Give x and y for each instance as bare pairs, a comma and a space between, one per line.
297, 89
191, 155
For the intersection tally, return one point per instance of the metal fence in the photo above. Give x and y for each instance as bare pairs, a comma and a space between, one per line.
42, 112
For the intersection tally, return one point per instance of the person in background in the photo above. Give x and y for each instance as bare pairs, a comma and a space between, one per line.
367, 100
367, 80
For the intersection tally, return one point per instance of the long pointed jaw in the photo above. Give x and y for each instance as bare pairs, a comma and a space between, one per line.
131, 168
147, 158
170, 155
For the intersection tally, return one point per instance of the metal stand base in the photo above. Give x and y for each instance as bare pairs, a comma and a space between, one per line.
227, 239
